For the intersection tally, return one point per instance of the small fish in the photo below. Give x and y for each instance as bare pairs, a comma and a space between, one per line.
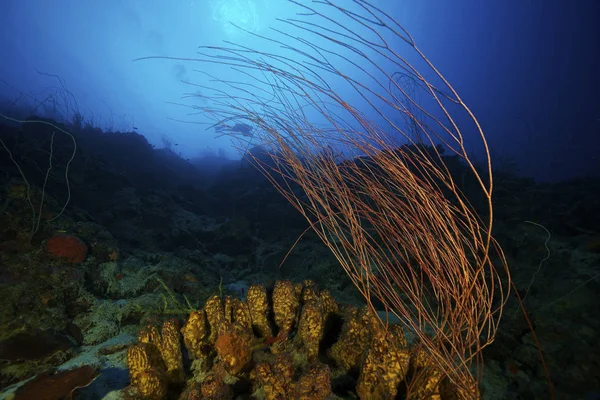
240, 128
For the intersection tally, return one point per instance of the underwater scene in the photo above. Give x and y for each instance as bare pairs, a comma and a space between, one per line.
299, 199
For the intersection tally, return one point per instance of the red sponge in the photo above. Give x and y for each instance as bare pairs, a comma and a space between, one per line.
67, 247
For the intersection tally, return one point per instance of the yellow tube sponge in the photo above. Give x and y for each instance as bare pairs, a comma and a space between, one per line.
229, 305
149, 334
213, 388
384, 366
310, 291
259, 310
146, 371
152, 385
170, 349
429, 389
195, 334
276, 379
354, 340
430, 377
215, 314
285, 306
310, 328
241, 315
314, 384
328, 303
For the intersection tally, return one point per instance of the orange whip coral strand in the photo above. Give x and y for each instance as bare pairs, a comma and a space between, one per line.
377, 192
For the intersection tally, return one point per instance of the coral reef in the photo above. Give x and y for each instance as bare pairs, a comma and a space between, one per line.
57, 314
279, 345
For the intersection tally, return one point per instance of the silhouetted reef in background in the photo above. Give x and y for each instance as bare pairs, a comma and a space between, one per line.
155, 231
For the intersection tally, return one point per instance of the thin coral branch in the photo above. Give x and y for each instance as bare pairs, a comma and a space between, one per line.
391, 211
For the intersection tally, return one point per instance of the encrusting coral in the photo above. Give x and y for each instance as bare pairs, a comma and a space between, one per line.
281, 347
